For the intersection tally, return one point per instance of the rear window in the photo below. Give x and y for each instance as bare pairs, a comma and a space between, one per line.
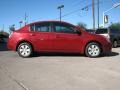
101, 31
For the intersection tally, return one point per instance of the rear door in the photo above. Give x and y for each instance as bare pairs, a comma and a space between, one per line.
42, 37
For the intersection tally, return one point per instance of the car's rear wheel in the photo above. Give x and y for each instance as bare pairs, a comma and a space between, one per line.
24, 50
93, 50
115, 44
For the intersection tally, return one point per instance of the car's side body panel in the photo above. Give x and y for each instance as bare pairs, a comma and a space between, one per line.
56, 41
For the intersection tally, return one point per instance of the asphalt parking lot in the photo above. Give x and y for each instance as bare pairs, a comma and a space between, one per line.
59, 72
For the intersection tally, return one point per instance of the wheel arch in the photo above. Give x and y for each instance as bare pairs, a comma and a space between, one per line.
94, 42
24, 41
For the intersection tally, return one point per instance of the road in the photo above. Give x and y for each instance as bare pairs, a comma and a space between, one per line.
59, 72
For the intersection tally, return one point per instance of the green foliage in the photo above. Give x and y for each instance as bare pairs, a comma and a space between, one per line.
82, 25
115, 26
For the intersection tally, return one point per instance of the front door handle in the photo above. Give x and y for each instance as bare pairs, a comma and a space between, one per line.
41, 39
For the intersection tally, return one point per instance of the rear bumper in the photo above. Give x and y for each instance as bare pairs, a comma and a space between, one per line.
11, 45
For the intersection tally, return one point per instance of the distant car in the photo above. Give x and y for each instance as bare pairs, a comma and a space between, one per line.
1, 40
90, 31
56, 36
3, 37
112, 34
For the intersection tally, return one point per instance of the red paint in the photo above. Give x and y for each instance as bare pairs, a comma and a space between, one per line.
56, 41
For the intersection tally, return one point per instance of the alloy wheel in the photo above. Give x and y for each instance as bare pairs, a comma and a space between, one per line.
24, 50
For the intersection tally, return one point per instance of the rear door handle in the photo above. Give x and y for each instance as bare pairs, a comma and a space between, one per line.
57, 36
32, 34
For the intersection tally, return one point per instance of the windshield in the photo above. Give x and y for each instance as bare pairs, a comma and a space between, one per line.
101, 31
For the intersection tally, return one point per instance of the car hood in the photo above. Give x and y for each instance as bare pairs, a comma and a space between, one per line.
93, 36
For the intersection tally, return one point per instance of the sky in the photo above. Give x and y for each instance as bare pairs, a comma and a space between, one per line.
13, 11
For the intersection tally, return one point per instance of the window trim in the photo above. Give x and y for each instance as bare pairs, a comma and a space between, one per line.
54, 29
40, 23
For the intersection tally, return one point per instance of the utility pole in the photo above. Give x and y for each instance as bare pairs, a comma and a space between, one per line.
20, 23
60, 7
93, 14
98, 12
3, 28
25, 19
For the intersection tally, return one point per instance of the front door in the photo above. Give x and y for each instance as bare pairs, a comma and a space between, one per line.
66, 38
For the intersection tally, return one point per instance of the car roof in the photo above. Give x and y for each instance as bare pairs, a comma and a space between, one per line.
51, 21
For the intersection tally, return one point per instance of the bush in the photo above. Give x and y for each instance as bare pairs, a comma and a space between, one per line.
115, 26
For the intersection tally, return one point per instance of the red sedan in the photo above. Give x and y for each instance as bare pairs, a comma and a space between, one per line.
56, 36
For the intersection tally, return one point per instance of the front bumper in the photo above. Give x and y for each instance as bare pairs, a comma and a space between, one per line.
107, 48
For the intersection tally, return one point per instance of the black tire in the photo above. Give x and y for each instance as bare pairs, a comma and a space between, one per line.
24, 48
93, 52
115, 44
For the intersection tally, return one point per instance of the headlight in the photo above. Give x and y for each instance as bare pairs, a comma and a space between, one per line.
107, 38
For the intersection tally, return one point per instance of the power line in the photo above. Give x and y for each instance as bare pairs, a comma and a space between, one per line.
72, 12
78, 3
69, 13
72, 8
83, 8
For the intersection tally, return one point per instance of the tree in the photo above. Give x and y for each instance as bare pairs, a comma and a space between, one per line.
115, 26
82, 25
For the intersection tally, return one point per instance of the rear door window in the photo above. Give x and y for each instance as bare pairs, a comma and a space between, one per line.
41, 27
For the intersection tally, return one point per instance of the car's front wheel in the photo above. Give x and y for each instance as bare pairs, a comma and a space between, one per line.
93, 50
24, 50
